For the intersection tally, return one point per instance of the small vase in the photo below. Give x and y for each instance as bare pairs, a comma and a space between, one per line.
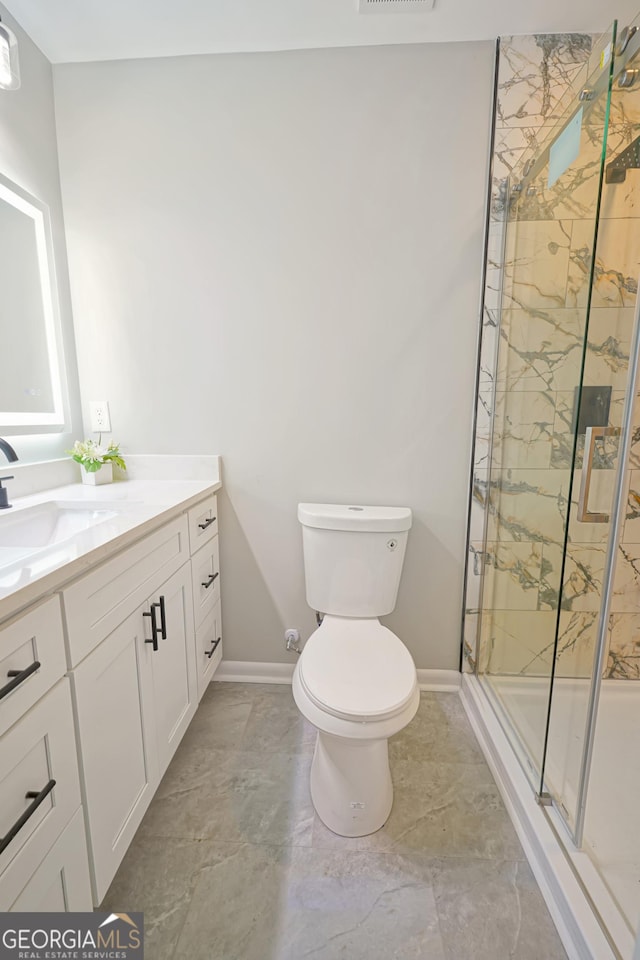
103, 475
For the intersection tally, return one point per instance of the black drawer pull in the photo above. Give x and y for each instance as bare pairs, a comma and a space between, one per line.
207, 523
155, 629
17, 677
210, 653
163, 620
207, 583
37, 799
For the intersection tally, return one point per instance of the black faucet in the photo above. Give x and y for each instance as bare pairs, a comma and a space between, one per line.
4, 496
8, 451
11, 456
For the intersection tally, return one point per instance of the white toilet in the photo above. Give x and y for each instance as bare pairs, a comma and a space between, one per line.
355, 680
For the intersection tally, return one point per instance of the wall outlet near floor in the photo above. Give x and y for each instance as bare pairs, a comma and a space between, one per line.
100, 419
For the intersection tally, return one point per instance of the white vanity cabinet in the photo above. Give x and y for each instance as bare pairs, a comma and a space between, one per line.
31, 659
98, 684
203, 522
39, 782
171, 663
135, 695
205, 575
208, 648
117, 758
61, 882
205, 568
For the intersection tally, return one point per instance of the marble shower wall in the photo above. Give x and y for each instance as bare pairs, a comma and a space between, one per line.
530, 362
615, 289
535, 74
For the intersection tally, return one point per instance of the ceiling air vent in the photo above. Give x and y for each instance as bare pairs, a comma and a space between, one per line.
395, 6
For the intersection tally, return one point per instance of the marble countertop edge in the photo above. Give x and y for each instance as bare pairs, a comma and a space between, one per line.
139, 507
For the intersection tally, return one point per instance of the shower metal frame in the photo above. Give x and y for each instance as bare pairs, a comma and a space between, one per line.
479, 339
618, 510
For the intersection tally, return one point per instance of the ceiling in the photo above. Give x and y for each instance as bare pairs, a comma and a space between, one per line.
76, 30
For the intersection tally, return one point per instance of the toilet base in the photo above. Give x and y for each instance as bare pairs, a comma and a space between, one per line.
351, 784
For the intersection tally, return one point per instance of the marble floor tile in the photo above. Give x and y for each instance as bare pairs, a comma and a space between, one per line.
240, 796
326, 839
446, 810
221, 718
493, 911
276, 724
288, 904
232, 863
439, 731
158, 877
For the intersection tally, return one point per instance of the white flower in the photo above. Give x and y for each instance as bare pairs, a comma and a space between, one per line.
91, 452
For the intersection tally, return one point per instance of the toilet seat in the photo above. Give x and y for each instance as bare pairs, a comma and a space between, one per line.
357, 670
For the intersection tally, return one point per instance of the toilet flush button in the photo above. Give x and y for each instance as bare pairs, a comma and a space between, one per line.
392, 544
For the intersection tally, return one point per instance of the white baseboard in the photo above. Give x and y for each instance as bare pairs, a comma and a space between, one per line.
577, 925
441, 681
251, 671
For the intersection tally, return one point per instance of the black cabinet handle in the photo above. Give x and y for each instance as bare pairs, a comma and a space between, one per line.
154, 625
210, 653
207, 583
163, 620
18, 677
31, 809
207, 523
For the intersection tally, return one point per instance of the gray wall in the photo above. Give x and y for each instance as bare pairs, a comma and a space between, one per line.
276, 257
28, 156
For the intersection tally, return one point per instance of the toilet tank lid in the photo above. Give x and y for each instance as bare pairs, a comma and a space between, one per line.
333, 516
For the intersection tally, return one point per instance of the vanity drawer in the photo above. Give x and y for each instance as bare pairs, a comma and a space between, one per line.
31, 646
205, 571
208, 648
38, 750
96, 604
203, 522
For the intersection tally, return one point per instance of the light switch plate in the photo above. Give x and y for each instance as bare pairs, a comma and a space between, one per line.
100, 419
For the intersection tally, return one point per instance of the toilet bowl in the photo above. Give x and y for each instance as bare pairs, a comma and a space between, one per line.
356, 683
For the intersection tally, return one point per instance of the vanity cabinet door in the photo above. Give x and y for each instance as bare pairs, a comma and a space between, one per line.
172, 665
39, 788
114, 698
61, 883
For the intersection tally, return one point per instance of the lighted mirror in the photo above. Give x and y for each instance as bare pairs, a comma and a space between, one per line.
31, 396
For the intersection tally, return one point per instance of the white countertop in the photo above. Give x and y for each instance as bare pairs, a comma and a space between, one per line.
132, 508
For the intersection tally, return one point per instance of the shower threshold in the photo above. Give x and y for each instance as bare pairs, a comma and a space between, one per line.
592, 907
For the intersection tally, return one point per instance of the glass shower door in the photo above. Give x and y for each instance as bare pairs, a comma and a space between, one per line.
539, 409
591, 767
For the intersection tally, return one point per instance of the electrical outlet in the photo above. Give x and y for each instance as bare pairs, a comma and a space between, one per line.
100, 419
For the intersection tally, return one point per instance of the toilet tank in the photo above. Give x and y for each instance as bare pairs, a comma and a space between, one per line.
353, 557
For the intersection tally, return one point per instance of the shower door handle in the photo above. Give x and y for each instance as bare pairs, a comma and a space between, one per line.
592, 434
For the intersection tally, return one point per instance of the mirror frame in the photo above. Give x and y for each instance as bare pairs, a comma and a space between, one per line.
30, 423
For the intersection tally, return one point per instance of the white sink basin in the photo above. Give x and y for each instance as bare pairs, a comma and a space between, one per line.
48, 523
